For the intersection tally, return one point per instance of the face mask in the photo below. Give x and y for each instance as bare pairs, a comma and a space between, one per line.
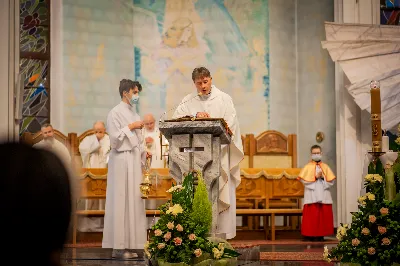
316, 157
134, 99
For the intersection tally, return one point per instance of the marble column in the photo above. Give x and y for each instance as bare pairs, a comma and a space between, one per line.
353, 134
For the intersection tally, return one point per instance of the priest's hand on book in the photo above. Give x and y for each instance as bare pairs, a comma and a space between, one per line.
202, 115
148, 155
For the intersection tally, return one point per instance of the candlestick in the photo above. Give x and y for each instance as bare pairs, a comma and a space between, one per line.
376, 116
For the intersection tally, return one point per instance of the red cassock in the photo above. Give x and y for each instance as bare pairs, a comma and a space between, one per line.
317, 220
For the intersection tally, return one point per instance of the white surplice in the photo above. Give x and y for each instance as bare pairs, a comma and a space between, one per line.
125, 217
94, 154
220, 105
56, 147
157, 161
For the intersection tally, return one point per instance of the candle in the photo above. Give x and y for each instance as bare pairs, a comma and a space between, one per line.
376, 116
385, 143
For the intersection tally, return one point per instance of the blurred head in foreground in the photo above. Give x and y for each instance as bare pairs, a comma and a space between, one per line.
35, 203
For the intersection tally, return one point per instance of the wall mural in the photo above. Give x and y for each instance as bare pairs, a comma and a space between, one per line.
230, 38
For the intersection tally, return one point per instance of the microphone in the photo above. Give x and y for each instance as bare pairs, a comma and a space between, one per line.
175, 107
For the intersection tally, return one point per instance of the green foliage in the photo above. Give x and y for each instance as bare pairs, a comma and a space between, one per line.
373, 236
371, 168
181, 232
379, 168
202, 209
185, 196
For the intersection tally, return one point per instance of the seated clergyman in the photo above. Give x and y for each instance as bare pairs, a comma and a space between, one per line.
94, 150
50, 143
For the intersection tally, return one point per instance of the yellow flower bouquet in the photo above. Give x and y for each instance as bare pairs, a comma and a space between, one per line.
180, 235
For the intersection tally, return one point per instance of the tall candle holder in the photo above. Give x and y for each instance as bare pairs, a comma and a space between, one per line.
376, 124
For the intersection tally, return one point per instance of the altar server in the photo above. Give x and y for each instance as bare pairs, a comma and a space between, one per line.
209, 101
125, 217
318, 179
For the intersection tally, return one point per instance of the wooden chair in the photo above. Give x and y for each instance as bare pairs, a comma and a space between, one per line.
93, 185
273, 149
247, 221
33, 138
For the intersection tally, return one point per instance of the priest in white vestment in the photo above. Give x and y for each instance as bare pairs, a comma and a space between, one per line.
125, 217
209, 101
50, 143
152, 142
94, 150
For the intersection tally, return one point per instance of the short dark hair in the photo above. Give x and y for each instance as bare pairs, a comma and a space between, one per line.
127, 85
35, 185
315, 147
138, 85
200, 72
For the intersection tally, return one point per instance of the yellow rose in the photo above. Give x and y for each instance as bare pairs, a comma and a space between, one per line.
378, 178
370, 196
175, 210
368, 177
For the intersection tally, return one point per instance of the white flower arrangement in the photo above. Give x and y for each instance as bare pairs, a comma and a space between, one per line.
176, 188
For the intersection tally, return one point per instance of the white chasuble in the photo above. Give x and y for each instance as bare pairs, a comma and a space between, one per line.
220, 105
94, 153
125, 217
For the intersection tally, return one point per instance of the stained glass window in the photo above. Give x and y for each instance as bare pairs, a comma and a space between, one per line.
34, 72
36, 102
34, 63
34, 12
32, 123
34, 39
390, 12
390, 3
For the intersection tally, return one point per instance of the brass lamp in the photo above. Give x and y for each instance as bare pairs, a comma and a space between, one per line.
146, 184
